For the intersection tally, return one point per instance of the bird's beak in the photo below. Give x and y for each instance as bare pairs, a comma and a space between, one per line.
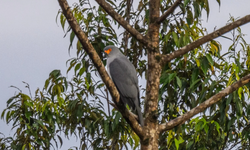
108, 51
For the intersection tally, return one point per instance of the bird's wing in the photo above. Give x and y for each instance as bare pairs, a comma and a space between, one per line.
124, 77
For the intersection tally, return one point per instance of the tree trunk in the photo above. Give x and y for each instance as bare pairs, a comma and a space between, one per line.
153, 81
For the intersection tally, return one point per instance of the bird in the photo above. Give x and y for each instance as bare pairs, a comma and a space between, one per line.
123, 74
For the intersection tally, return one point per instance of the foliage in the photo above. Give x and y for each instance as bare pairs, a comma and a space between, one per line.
43, 118
78, 107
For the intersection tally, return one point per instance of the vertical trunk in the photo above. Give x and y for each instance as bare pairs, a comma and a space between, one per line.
153, 81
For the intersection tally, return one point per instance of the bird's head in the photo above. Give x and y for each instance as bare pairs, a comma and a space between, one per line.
111, 50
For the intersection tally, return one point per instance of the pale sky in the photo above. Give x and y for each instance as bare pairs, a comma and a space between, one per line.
32, 44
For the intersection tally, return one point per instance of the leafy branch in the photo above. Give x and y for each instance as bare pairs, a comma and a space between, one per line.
100, 67
168, 57
214, 99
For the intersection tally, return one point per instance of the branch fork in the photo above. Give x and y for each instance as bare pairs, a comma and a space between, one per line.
131, 118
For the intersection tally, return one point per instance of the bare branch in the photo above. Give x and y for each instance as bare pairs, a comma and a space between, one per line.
126, 33
209, 37
100, 67
125, 24
217, 97
168, 12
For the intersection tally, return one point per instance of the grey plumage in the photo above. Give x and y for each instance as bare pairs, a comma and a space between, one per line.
123, 74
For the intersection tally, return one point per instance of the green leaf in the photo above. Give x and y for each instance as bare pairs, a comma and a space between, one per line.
179, 82
204, 65
117, 118
239, 108
77, 67
88, 77
195, 73
217, 126
176, 142
207, 8
168, 78
62, 20
199, 126
190, 143
195, 82
11, 99
240, 91
3, 113
55, 74
46, 84
28, 114
81, 71
190, 18
136, 140
106, 128
196, 9
44, 106
186, 2
206, 127
176, 39
229, 99
24, 145
79, 47
72, 36
8, 117
72, 64
60, 100
218, 2
210, 59
230, 122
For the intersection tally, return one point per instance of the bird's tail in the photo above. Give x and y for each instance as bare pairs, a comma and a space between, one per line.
139, 113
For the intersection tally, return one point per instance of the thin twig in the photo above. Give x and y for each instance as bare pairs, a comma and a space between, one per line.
108, 100
126, 34
168, 12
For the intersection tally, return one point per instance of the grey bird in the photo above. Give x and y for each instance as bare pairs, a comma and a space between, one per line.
123, 74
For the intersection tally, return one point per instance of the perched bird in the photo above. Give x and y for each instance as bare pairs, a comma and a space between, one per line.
123, 74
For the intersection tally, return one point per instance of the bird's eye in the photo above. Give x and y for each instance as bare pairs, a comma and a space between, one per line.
108, 51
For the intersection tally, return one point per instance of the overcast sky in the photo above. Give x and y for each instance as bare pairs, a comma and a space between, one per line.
32, 44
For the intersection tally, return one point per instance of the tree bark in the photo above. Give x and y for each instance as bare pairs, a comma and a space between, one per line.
153, 81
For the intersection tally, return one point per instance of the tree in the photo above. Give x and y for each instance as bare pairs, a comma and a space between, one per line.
186, 75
